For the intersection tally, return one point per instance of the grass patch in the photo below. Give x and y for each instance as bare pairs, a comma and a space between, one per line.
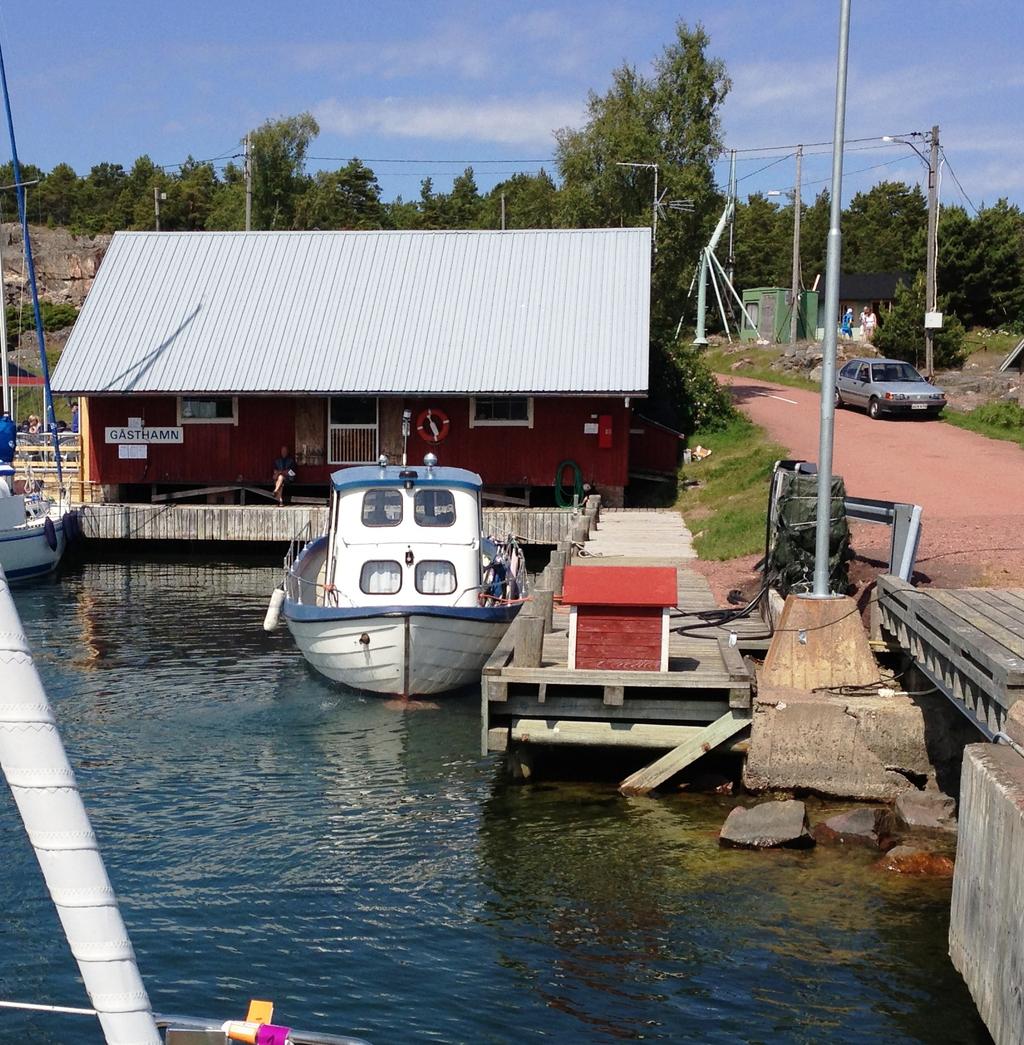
720, 359
995, 420
727, 512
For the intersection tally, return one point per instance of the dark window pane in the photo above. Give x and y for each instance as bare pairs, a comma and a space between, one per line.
434, 508
382, 507
207, 409
353, 410
502, 408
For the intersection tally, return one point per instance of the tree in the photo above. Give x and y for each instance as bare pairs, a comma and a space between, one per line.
900, 333
57, 196
227, 205
531, 202
763, 241
279, 150
344, 199
884, 229
671, 118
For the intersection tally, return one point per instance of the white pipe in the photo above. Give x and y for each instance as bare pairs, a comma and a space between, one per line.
43, 784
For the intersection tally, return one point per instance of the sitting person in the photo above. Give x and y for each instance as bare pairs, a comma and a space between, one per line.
284, 473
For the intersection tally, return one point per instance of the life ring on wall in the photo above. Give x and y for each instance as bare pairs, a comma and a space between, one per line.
433, 425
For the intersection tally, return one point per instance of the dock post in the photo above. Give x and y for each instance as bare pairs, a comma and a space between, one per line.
542, 605
529, 642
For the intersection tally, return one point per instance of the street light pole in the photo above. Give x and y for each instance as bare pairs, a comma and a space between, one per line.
794, 312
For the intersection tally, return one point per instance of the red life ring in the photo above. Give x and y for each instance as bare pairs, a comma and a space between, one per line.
433, 425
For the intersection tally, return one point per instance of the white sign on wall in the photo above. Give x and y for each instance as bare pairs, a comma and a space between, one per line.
131, 452
170, 434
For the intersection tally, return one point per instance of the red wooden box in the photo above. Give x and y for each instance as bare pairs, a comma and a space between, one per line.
618, 617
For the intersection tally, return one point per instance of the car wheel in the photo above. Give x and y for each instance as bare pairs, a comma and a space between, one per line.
874, 411
839, 401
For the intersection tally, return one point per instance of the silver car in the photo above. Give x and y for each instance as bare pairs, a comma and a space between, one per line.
888, 386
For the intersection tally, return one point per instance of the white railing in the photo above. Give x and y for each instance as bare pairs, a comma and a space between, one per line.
352, 444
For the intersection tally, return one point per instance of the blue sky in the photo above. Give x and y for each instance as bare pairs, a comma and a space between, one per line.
440, 82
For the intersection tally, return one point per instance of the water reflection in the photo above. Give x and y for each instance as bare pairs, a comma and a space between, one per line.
271, 834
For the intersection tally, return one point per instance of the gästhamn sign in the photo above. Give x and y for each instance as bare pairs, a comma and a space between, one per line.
169, 434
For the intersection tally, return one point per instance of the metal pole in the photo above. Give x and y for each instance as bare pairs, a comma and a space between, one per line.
248, 186
931, 289
156, 206
5, 373
702, 298
795, 290
730, 262
44, 365
654, 214
828, 363
503, 212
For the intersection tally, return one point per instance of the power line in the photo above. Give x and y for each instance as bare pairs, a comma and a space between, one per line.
765, 167
958, 185
815, 145
368, 159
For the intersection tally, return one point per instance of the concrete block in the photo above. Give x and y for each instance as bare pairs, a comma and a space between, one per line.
986, 926
850, 747
928, 810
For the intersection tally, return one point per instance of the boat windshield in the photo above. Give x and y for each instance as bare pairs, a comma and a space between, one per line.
894, 373
433, 507
382, 506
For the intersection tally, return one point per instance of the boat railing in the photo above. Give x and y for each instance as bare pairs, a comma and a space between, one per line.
187, 1027
293, 583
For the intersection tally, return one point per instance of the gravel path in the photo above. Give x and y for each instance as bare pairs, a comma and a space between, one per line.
971, 488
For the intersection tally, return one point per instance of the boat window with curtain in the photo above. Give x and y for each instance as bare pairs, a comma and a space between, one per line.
380, 577
435, 577
382, 507
434, 507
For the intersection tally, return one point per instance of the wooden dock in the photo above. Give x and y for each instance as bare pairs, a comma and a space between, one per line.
702, 701
968, 641
260, 523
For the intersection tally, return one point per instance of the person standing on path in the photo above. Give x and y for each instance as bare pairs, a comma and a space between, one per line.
870, 322
846, 329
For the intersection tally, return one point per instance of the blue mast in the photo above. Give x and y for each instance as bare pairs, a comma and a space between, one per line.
51, 421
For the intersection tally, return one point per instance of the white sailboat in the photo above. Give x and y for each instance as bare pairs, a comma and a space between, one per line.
401, 595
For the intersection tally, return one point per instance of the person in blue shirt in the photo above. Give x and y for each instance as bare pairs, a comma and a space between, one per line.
8, 438
847, 327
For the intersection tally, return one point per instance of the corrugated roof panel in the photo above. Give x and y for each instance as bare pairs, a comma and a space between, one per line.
537, 311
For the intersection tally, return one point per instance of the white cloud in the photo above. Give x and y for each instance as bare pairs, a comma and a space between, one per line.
505, 121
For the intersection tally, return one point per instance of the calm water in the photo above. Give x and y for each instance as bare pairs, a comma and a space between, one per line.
271, 835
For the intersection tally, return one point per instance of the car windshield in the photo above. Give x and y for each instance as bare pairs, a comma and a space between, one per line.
893, 373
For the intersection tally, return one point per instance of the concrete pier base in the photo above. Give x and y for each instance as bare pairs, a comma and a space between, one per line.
986, 927
867, 747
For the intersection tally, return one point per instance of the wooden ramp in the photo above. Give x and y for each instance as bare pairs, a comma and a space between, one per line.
702, 702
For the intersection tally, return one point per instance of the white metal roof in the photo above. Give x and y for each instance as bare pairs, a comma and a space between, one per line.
538, 311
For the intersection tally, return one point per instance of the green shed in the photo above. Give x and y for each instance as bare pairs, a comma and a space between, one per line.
768, 309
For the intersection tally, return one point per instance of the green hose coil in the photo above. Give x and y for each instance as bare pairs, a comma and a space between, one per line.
575, 496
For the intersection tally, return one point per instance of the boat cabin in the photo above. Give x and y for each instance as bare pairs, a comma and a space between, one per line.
404, 535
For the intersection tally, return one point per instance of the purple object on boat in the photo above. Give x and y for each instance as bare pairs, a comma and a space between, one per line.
271, 1034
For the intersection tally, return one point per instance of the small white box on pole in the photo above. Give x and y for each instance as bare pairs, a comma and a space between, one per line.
933, 321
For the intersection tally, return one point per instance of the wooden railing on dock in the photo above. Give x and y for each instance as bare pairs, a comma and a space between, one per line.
969, 642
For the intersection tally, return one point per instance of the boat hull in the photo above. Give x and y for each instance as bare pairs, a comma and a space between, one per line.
399, 651
25, 551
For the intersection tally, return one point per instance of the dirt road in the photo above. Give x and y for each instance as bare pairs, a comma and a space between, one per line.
971, 488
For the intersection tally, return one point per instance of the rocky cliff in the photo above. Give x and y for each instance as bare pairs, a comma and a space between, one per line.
65, 265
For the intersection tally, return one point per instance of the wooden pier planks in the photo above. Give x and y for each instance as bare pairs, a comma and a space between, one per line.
968, 641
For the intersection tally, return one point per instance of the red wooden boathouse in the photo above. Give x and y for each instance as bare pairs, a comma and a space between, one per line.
198, 355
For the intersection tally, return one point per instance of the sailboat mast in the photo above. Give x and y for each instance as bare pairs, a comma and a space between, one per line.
5, 368
51, 420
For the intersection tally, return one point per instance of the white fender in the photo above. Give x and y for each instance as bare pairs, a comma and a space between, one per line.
273, 617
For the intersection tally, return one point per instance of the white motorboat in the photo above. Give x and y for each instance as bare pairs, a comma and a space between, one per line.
402, 595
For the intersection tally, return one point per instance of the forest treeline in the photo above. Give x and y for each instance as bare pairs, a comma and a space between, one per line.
670, 116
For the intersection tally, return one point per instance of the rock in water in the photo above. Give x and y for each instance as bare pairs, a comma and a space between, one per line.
906, 859
768, 825
869, 825
931, 810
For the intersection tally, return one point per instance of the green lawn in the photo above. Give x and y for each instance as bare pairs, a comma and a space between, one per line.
995, 420
726, 513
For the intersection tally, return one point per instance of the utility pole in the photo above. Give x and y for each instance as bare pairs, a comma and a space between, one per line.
248, 185
931, 289
503, 212
730, 262
157, 197
794, 309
